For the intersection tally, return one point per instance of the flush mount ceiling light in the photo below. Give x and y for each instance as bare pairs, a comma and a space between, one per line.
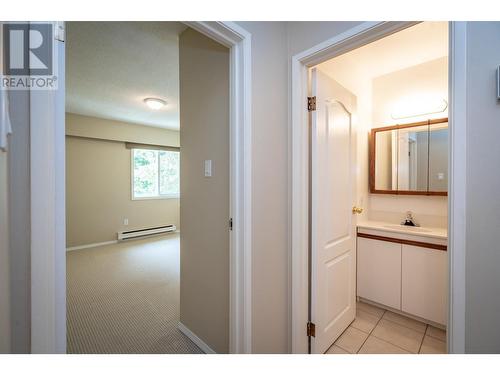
155, 103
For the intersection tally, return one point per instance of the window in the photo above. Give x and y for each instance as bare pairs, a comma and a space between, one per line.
155, 174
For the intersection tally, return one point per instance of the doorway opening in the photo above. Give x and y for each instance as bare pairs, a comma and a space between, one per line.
378, 160
147, 188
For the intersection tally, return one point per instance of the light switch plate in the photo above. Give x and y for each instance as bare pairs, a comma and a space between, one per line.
208, 168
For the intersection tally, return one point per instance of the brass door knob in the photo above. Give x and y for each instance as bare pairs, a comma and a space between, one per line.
357, 210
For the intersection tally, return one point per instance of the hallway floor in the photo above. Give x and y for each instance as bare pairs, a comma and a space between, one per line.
378, 331
124, 298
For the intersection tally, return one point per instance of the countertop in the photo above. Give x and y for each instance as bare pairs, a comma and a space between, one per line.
437, 233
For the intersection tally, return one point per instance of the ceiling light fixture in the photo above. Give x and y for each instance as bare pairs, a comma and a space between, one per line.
155, 103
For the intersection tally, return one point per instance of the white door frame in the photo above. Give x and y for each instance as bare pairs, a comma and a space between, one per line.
358, 36
48, 232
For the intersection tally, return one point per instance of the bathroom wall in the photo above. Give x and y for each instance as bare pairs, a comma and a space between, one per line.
404, 88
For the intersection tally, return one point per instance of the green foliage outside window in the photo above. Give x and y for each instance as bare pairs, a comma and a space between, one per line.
156, 173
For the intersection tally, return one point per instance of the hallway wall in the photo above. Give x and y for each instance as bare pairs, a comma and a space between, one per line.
482, 331
205, 201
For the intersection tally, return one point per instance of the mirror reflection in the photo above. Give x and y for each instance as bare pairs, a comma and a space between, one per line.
438, 157
410, 159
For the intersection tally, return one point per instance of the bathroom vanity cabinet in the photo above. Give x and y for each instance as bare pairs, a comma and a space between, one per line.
403, 271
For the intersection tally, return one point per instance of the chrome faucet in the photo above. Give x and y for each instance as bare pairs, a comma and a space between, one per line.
409, 221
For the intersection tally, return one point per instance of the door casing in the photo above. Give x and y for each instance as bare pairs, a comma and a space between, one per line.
356, 37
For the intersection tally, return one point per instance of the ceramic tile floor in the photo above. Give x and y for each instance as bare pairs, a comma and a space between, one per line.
378, 331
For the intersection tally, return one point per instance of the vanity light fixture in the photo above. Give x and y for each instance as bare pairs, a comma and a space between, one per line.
155, 103
418, 107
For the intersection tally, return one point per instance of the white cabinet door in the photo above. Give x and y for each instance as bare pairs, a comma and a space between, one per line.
379, 271
424, 283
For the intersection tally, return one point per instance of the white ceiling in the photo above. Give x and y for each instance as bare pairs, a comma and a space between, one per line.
423, 42
112, 66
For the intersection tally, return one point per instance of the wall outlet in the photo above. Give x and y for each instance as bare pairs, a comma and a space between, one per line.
125, 221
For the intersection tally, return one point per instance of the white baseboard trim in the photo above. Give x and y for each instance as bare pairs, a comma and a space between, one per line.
91, 245
199, 342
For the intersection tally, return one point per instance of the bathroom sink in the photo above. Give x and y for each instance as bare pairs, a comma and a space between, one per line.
409, 228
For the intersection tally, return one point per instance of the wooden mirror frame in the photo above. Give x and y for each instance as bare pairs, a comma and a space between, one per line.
372, 158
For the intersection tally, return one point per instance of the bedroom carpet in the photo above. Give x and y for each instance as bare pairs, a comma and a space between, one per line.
124, 298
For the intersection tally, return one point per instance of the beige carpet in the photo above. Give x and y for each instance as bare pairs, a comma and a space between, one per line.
124, 298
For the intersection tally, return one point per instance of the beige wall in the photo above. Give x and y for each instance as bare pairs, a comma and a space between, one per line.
93, 127
4, 259
204, 115
270, 213
98, 181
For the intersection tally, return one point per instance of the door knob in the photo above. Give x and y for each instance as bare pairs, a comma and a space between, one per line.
357, 210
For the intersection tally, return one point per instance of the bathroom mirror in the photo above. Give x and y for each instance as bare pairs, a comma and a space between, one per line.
410, 159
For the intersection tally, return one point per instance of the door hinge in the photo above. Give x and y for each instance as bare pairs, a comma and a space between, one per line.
311, 329
231, 224
311, 103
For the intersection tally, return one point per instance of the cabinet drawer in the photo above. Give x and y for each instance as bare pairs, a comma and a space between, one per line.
379, 271
424, 283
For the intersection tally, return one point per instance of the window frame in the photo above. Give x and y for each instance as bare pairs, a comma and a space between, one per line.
132, 175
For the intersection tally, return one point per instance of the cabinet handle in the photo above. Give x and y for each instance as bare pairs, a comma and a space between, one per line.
357, 210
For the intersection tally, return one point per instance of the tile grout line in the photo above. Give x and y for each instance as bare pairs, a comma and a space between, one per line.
422, 342
370, 333
379, 338
434, 337
397, 346
396, 323
350, 326
402, 325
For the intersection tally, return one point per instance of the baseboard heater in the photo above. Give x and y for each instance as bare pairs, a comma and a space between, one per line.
145, 232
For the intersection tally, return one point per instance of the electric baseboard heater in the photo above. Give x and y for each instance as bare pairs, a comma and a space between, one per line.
145, 232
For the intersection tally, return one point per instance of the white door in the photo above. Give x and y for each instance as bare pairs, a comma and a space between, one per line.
333, 225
